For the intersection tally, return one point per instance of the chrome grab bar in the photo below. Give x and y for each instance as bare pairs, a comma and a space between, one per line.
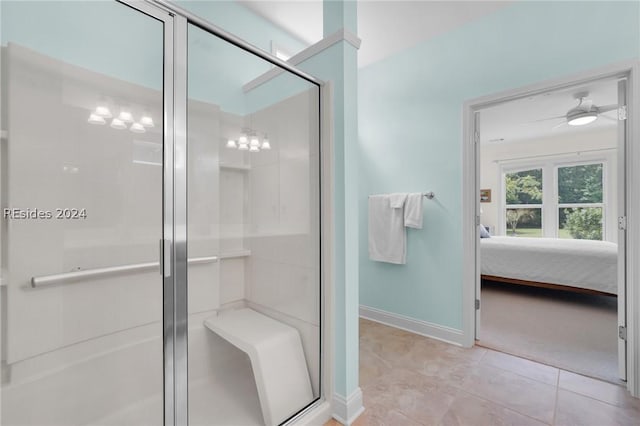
112, 270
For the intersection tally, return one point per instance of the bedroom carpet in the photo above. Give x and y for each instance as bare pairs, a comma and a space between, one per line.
574, 332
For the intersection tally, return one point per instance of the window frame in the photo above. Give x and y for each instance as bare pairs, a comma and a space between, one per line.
550, 205
602, 205
505, 206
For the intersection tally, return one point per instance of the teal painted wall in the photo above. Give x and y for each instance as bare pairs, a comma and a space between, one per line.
106, 37
410, 129
209, 57
242, 22
112, 39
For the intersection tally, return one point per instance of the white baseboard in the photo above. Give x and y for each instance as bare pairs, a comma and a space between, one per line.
347, 410
424, 328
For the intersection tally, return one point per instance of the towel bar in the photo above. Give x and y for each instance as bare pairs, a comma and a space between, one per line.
430, 195
113, 270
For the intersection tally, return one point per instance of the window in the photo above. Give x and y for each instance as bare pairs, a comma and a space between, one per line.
580, 202
555, 199
523, 214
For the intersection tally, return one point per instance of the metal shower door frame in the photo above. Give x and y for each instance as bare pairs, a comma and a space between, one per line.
172, 246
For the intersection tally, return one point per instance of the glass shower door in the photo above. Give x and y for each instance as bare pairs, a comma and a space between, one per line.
81, 172
253, 237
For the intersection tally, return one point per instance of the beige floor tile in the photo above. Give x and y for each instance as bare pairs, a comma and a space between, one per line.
389, 347
450, 368
524, 367
388, 343
521, 394
468, 410
422, 399
372, 367
384, 418
412, 380
578, 410
597, 389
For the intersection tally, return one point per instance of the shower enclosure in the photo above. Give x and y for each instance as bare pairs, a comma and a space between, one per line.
160, 235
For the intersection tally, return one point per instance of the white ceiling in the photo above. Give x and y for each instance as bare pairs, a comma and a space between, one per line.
516, 120
385, 27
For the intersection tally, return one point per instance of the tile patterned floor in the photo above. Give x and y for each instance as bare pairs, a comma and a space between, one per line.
411, 380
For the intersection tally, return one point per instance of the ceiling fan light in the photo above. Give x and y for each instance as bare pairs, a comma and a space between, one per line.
582, 119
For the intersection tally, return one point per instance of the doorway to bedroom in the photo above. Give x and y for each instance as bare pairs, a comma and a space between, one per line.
551, 253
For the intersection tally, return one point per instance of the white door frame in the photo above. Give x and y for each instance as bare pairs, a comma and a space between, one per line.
471, 188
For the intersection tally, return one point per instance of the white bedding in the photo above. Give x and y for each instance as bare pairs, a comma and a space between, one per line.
576, 263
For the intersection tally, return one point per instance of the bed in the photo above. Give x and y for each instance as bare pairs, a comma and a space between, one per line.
583, 266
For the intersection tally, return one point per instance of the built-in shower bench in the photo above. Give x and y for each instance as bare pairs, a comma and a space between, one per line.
277, 359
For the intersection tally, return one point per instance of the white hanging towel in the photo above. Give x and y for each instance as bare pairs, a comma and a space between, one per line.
387, 235
413, 210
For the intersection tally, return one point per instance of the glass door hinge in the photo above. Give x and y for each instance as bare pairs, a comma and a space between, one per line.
622, 223
622, 332
622, 113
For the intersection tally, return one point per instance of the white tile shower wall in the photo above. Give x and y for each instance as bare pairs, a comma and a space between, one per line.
232, 280
282, 273
63, 161
283, 208
232, 209
292, 290
203, 178
264, 204
203, 207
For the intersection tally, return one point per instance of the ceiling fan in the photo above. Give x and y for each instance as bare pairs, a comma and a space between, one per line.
584, 113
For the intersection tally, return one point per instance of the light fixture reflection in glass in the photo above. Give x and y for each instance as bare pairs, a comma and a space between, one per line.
116, 123
242, 140
125, 117
265, 144
243, 147
137, 128
103, 111
255, 142
146, 121
231, 144
254, 149
96, 119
